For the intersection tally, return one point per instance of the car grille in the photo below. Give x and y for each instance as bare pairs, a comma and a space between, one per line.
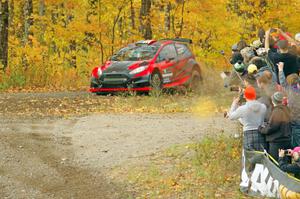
109, 79
115, 79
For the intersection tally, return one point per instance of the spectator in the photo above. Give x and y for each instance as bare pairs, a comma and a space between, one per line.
252, 69
236, 57
290, 61
271, 39
248, 54
241, 45
267, 90
262, 66
277, 130
291, 86
257, 44
295, 43
251, 115
235, 78
261, 34
284, 165
250, 80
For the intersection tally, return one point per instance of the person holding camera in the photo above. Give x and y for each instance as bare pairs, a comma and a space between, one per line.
278, 128
284, 164
251, 115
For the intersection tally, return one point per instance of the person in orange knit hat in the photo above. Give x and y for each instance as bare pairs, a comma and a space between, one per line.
251, 115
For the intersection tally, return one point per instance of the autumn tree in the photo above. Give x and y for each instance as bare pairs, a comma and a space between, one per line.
145, 19
4, 18
28, 21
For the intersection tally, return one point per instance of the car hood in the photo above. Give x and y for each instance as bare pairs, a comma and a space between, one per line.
119, 67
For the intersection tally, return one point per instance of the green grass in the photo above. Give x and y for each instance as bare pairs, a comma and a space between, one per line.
208, 169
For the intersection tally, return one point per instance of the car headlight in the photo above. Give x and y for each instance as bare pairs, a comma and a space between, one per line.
138, 70
99, 72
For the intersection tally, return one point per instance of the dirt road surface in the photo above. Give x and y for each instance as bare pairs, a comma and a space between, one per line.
56, 157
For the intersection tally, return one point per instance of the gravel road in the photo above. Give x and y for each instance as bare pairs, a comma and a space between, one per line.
71, 157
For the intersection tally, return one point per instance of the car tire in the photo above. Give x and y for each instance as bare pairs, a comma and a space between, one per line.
195, 82
156, 84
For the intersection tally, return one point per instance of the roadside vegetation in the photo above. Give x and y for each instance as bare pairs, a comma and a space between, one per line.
207, 169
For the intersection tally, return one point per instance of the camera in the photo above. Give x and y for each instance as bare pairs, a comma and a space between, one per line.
234, 89
286, 152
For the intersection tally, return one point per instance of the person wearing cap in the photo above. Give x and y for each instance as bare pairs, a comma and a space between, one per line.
252, 69
291, 86
235, 78
284, 164
262, 66
278, 129
247, 53
256, 44
251, 115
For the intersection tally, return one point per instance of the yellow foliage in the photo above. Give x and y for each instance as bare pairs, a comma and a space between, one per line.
74, 36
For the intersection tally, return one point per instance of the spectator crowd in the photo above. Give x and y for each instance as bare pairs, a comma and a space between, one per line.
266, 73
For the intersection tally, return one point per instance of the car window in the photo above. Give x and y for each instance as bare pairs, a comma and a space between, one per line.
168, 52
183, 50
135, 53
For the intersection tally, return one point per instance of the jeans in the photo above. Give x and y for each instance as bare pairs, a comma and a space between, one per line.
295, 125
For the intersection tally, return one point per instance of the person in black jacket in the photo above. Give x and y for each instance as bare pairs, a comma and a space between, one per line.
284, 164
278, 129
290, 61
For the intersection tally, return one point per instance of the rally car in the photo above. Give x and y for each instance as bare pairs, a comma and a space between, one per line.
148, 65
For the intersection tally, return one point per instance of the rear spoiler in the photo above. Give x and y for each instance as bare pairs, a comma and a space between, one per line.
183, 40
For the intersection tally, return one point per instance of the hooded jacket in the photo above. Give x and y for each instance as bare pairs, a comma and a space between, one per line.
251, 115
278, 128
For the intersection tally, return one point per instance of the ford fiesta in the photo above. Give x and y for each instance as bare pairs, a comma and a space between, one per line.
148, 65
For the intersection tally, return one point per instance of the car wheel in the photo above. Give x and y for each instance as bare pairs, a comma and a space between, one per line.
195, 82
156, 84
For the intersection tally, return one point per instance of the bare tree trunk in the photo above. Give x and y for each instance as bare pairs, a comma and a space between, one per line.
116, 19
167, 18
4, 19
42, 8
145, 19
100, 32
182, 16
27, 12
132, 15
73, 49
11, 12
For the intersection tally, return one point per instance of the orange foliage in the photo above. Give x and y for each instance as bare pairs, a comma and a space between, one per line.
74, 35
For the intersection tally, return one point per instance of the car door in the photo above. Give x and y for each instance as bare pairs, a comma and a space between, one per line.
184, 66
166, 62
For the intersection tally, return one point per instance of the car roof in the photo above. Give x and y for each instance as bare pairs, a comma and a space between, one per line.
164, 41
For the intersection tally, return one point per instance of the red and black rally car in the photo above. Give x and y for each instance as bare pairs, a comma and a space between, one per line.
148, 65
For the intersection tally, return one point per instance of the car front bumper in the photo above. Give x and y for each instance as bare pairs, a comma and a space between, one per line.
119, 82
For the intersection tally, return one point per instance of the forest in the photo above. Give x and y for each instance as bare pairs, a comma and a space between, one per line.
56, 43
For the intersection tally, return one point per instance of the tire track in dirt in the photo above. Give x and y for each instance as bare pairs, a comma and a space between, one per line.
39, 164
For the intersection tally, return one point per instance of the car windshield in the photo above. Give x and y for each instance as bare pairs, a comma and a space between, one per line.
137, 53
